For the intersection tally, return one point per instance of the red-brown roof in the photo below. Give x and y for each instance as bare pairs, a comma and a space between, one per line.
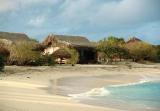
133, 40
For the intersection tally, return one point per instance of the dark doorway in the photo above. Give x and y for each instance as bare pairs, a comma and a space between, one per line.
87, 55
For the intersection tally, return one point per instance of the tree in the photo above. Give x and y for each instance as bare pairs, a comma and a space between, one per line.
115, 41
112, 47
141, 51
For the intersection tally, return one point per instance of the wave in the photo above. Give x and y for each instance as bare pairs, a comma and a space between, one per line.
145, 79
104, 91
92, 93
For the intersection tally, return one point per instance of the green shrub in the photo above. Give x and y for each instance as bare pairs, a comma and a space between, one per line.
2, 62
24, 53
4, 54
45, 60
158, 53
74, 56
110, 48
50, 60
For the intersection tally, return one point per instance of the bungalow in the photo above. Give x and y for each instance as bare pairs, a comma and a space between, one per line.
55, 44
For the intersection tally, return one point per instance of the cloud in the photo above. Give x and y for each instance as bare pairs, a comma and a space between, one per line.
6, 5
93, 18
149, 32
11, 5
37, 21
110, 14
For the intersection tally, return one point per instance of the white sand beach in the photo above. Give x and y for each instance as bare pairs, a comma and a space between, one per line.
46, 88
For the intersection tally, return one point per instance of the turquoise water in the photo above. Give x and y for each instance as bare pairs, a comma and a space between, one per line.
132, 97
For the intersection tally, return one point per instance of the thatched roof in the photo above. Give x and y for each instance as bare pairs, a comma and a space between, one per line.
61, 53
133, 40
13, 36
69, 40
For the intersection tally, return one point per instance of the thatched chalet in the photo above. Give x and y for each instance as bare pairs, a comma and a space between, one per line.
55, 44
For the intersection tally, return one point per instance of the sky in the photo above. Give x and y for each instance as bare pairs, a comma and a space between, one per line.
94, 19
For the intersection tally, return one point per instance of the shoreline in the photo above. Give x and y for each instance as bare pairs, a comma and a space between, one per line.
54, 82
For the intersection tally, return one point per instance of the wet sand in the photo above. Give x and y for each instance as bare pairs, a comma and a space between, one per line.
46, 88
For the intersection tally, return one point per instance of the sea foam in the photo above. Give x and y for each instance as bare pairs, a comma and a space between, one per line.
92, 93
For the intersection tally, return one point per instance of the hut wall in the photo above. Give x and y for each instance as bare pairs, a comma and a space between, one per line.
50, 50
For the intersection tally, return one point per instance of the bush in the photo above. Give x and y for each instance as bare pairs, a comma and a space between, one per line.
2, 62
24, 53
44, 60
74, 56
158, 53
4, 53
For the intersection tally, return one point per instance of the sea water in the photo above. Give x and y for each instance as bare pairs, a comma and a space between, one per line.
142, 96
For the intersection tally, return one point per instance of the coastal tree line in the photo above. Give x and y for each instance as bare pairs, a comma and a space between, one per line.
109, 49
114, 48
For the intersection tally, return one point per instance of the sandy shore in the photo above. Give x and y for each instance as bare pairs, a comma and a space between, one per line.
46, 88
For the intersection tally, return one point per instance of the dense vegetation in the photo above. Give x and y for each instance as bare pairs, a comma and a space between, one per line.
141, 51
111, 48
4, 53
114, 48
158, 53
2, 63
24, 53
74, 56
